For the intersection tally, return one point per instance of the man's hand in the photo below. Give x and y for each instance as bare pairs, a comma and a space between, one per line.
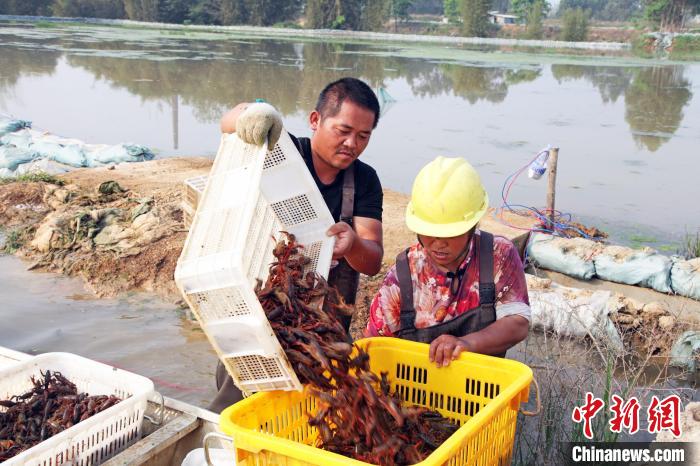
344, 239
445, 348
258, 122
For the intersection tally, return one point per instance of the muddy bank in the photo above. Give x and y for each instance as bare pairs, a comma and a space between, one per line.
126, 236
121, 229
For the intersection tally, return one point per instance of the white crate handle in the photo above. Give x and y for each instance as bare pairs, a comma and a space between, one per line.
220, 436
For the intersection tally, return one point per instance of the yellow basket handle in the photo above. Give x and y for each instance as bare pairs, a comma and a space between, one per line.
538, 409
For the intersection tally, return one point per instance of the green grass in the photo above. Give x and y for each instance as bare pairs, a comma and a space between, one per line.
639, 241
685, 47
690, 246
287, 25
642, 239
32, 178
13, 241
46, 24
667, 248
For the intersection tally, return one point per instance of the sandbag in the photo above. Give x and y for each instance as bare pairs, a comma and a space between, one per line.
685, 278
10, 125
643, 267
119, 153
570, 256
573, 312
21, 139
64, 151
68, 154
11, 157
42, 166
686, 350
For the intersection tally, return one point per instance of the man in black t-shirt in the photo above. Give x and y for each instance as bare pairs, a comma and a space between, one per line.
346, 113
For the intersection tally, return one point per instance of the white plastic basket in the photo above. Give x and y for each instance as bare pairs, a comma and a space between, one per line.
192, 193
251, 195
187, 215
97, 438
194, 187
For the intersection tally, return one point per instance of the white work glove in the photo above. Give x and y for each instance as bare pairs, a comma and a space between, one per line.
257, 122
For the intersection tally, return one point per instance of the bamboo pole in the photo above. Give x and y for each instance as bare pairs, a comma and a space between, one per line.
551, 183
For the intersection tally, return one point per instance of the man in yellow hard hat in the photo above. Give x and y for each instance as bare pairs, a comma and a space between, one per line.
457, 288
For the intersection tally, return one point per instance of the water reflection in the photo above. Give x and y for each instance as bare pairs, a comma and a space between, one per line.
168, 89
654, 97
211, 75
654, 104
611, 82
15, 63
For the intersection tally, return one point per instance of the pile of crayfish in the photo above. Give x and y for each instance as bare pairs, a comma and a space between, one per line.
51, 406
357, 414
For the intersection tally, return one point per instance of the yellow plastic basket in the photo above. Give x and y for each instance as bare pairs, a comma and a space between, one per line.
482, 393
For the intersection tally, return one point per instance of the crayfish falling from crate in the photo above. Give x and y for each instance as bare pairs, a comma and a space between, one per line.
51, 406
358, 416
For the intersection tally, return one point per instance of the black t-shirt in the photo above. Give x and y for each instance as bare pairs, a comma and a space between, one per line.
368, 189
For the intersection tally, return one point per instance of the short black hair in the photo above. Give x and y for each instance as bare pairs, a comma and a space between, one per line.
333, 95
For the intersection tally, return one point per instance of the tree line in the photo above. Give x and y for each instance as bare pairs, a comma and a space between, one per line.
338, 14
371, 15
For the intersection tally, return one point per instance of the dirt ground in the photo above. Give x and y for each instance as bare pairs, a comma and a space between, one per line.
114, 250
122, 229
118, 241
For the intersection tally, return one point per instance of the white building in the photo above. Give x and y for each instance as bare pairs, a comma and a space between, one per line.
501, 18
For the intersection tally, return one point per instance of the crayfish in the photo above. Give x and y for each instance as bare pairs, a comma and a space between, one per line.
357, 414
51, 406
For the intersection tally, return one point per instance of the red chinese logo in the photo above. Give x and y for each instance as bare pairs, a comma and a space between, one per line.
665, 414
662, 415
624, 415
586, 413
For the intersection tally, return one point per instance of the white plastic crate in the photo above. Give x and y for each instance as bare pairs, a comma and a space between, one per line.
251, 195
192, 193
187, 215
97, 438
194, 187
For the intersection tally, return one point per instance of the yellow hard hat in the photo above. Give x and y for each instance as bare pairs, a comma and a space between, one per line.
447, 200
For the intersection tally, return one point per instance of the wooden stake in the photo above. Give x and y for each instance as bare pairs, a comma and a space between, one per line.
552, 181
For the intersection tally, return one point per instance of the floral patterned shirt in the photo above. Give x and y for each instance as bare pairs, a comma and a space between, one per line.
432, 298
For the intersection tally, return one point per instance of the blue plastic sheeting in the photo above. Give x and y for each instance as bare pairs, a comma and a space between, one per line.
685, 278
573, 257
685, 350
8, 125
27, 146
645, 268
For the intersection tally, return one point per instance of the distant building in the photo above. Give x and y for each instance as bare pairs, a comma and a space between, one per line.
501, 18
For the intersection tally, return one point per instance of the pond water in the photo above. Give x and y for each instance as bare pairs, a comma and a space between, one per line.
45, 312
628, 129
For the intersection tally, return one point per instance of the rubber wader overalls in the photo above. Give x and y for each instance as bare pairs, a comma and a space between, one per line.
342, 276
470, 321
